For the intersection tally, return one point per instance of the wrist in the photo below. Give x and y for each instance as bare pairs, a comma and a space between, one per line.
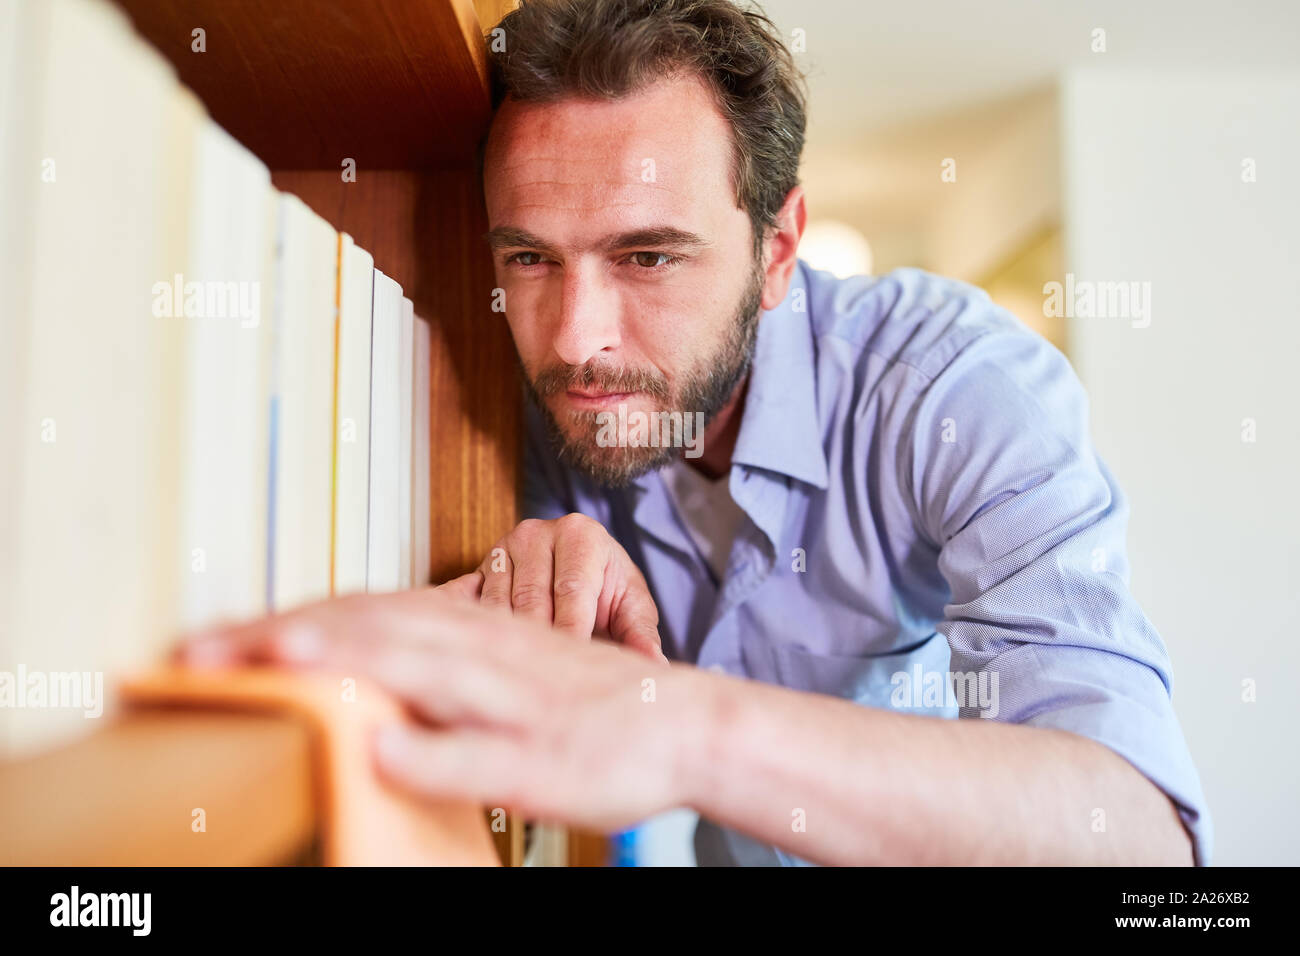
710, 713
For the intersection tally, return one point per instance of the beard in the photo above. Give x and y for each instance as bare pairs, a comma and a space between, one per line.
705, 388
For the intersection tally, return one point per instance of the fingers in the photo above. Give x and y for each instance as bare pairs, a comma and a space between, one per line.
571, 573
431, 654
634, 621
498, 576
549, 571
581, 555
281, 636
472, 765
450, 688
292, 635
532, 554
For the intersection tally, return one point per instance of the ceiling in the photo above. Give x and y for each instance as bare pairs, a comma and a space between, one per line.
896, 87
874, 65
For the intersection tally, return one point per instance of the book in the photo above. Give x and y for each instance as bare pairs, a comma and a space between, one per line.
226, 288
352, 426
383, 563
303, 406
421, 517
406, 393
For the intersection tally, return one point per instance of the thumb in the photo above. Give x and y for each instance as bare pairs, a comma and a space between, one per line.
645, 641
465, 588
634, 623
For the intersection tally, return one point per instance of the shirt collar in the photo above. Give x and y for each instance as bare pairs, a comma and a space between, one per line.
780, 430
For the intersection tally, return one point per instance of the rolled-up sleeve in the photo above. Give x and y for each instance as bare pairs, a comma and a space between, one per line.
1030, 527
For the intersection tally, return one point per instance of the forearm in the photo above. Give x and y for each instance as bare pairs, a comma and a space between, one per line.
871, 786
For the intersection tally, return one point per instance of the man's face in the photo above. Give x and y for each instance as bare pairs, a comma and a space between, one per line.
627, 265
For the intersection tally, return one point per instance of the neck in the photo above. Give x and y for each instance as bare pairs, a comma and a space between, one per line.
720, 437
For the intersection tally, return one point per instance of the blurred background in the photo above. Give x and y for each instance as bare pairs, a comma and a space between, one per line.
1011, 144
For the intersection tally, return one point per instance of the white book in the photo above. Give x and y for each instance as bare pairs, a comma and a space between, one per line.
303, 403
224, 477
90, 514
405, 573
421, 551
352, 433
383, 554
23, 45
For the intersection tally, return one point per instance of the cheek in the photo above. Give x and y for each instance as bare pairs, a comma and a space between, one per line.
528, 344
674, 349
680, 333
526, 321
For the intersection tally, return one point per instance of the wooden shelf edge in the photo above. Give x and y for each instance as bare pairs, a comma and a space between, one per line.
131, 794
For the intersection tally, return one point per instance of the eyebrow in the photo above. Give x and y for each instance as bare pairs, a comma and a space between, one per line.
506, 237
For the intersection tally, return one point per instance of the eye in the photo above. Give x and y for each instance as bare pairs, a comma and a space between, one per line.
654, 261
520, 258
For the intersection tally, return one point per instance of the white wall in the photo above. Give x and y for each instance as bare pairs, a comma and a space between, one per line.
1154, 192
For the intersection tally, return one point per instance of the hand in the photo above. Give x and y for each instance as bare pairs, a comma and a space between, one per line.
510, 713
571, 573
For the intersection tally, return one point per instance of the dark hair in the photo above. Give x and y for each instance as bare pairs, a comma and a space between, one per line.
609, 48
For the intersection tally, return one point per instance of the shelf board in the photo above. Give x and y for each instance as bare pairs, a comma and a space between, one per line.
393, 84
125, 795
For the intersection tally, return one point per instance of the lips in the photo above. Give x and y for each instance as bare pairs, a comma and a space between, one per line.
594, 393
596, 397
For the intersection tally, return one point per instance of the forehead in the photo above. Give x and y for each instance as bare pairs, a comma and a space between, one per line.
663, 151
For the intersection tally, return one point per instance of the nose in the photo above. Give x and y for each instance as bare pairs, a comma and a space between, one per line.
589, 317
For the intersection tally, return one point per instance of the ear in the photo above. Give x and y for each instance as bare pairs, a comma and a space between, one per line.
781, 248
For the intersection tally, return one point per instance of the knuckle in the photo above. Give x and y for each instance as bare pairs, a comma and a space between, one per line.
527, 528
570, 585
577, 523
528, 594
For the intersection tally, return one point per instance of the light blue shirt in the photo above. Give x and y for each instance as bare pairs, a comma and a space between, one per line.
921, 496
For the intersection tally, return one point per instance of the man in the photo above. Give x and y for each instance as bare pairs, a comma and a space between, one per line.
895, 483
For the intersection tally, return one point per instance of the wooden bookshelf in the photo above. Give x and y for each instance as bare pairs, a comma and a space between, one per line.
395, 84
401, 88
